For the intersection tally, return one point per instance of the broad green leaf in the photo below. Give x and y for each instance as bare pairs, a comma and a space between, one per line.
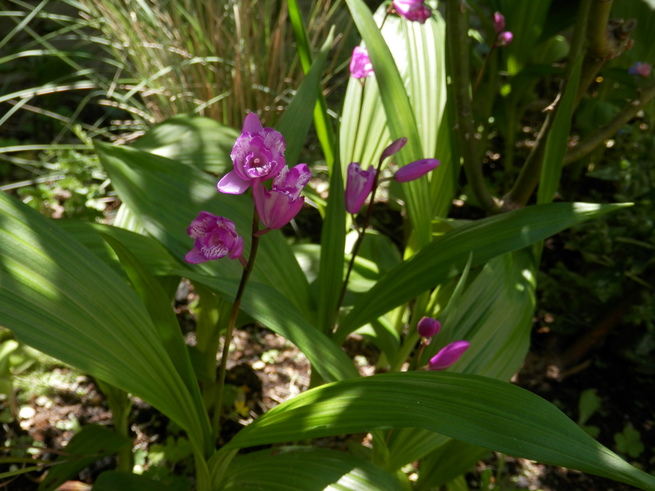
150, 252
126, 481
193, 140
269, 307
447, 255
495, 314
306, 468
333, 240
470, 408
158, 304
59, 298
452, 459
91, 444
168, 195
400, 104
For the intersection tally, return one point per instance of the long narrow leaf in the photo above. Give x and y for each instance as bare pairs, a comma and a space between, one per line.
400, 118
470, 408
447, 255
58, 297
309, 469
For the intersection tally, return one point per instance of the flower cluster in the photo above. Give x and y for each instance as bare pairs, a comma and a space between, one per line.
640, 69
427, 328
503, 37
258, 156
413, 10
360, 183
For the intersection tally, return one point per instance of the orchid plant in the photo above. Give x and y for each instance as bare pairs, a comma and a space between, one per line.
450, 315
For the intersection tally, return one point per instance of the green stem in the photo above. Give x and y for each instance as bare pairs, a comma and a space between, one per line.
232, 322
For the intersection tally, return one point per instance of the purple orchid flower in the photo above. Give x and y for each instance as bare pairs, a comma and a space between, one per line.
359, 184
215, 237
258, 155
448, 355
428, 327
416, 169
413, 10
282, 203
360, 63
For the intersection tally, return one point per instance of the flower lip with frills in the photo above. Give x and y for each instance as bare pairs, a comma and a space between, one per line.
257, 155
214, 238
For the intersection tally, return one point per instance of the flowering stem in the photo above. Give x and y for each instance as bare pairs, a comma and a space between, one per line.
360, 238
231, 323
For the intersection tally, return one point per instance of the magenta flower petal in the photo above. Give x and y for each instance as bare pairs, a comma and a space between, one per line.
279, 205
258, 154
393, 148
359, 184
231, 183
251, 124
428, 327
448, 355
415, 170
360, 63
413, 10
504, 38
215, 237
499, 22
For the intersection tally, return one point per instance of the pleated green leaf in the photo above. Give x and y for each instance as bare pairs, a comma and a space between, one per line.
333, 241
307, 469
447, 255
415, 50
59, 298
90, 445
150, 252
470, 408
495, 314
269, 307
193, 140
182, 192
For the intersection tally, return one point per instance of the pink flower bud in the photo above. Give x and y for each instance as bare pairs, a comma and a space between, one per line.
448, 355
504, 38
215, 237
393, 148
415, 170
359, 184
499, 22
360, 63
428, 327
